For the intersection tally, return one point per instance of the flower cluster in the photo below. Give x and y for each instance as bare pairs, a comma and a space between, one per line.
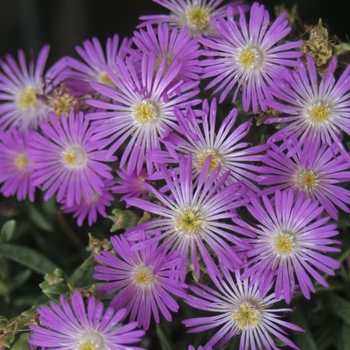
224, 213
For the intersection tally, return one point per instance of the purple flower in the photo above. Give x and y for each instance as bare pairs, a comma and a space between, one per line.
318, 111
195, 15
143, 279
83, 325
131, 184
97, 205
67, 161
246, 55
142, 109
291, 241
93, 70
201, 138
193, 216
239, 309
23, 91
169, 45
15, 176
315, 170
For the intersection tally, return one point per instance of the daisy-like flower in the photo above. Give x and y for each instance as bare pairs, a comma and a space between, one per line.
83, 326
195, 15
291, 241
246, 55
93, 70
240, 309
67, 161
143, 279
315, 170
203, 140
15, 176
316, 111
170, 45
23, 90
193, 218
142, 110
96, 206
131, 185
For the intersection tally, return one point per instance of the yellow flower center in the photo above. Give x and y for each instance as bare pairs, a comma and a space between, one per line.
249, 58
21, 161
91, 340
189, 221
284, 243
319, 114
105, 79
306, 180
143, 276
145, 112
246, 315
198, 16
87, 346
214, 162
74, 157
62, 104
27, 98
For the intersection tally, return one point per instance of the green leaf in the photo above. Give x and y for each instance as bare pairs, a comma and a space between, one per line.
303, 340
19, 279
22, 342
7, 231
345, 335
340, 307
27, 257
38, 218
162, 338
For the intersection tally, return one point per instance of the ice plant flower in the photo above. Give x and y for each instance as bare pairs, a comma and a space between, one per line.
74, 325
67, 161
15, 177
317, 111
291, 243
142, 110
131, 185
246, 55
315, 170
193, 216
23, 90
200, 137
143, 279
195, 15
96, 206
169, 45
93, 70
239, 309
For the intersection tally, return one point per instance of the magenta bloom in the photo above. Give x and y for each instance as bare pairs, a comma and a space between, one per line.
143, 279
169, 45
246, 55
313, 169
317, 111
193, 216
23, 91
224, 146
66, 160
142, 109
131, 185
15, 177
82, 74
96, 206
239, 309
291, 243
76, 326
195, 15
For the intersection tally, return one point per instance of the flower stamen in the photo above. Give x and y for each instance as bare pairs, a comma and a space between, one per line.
246, 315
189, 221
